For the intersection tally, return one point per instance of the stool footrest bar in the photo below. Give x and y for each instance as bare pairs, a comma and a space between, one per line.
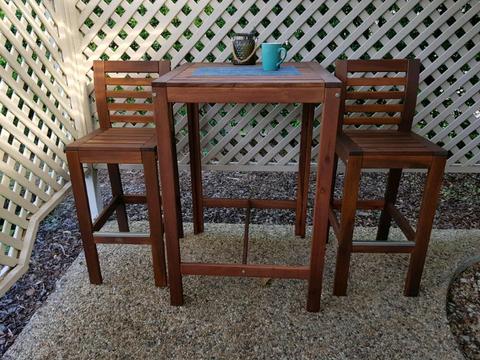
253, 203
134, 199
334, 222
382, 246
401, 221
245, 235
106, 213
362, 204
131, 238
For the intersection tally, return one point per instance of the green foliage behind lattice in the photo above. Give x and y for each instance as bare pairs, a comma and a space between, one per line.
443, 34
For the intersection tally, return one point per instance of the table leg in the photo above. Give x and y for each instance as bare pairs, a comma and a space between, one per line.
195, 166
166, 159
323, 191
152, 192
177, 180
303, 178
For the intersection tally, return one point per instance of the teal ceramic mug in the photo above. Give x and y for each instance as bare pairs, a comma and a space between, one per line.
273, 54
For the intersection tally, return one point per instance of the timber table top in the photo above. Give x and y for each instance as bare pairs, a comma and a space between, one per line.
302, 74
303, 82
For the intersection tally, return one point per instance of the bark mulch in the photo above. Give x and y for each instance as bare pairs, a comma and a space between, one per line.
58, 239
463, 310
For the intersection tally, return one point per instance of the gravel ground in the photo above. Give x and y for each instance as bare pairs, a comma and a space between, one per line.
463, 310
127, 317
58, 240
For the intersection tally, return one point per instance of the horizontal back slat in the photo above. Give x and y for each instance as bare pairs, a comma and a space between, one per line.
374, 95
369, 120
115, 105
129, 81
130, 107
380, 81
385, 65
129, 94
388, 108
131, 66
378, 88
131, 118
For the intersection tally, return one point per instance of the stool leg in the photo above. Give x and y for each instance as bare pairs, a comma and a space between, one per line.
152, 188
77, 179
332, 196
347, 222
303, 179
117, 190
424, 226
391, 192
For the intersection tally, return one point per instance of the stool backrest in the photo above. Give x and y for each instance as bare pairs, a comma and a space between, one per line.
385, 93
123, 90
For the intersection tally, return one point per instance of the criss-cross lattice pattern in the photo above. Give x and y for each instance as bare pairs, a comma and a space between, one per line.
444, 35
47, 49
36, 122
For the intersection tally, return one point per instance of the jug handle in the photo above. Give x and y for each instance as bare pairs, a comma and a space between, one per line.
248, 57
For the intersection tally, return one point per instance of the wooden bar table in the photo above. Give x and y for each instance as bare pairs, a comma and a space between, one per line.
306, 83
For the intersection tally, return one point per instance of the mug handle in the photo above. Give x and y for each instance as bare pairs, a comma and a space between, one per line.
283, 55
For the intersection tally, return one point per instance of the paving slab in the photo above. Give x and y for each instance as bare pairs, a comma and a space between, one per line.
240, 318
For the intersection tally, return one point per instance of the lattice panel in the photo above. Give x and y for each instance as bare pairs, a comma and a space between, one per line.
443, 34
36, 121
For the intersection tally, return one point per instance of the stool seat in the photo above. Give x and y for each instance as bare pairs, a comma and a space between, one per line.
386, 142
114, 139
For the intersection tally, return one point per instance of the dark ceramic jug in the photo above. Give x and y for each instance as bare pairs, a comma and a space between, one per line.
244, 47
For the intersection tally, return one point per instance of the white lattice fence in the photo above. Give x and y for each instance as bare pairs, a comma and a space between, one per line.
36, 120
443, 34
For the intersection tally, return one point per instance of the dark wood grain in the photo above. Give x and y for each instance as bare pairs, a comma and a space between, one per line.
313, 85
246, 270
303, 178
378, 149
347, 222
424, 225
325, 166
310, 74
136, 66
117, 190
195, 166
166, 159
84, 217
393, 183
152, 188
254, 203
115, 146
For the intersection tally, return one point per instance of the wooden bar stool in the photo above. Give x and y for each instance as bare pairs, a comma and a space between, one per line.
126, 99
386, 98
